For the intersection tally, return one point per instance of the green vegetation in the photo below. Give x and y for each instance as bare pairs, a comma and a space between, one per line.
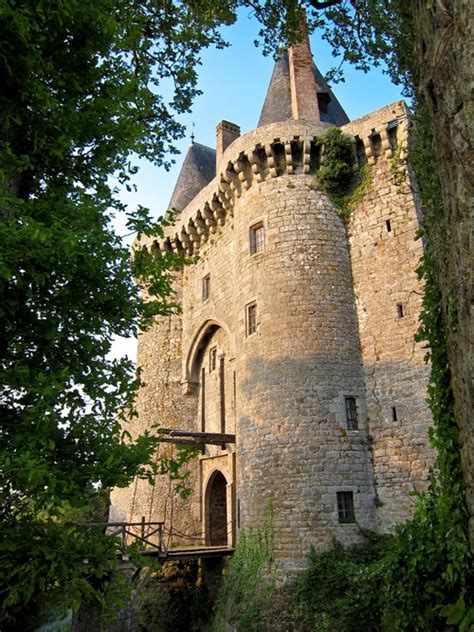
431, 566
247, 584
343, 183
79, 95
340, 589
171, 599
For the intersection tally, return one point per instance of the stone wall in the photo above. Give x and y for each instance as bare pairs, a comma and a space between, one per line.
326, 329
385, 256
160, 403
294, 449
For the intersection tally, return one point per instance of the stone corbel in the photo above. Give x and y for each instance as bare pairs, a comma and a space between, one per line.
386, 145
270, 161
189, 388
211, 222
306, 156
289, 159
239, 168
369, 151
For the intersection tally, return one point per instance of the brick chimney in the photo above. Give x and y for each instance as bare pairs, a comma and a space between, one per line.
226, 133
304, 89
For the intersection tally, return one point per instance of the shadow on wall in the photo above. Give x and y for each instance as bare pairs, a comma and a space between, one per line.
296, 449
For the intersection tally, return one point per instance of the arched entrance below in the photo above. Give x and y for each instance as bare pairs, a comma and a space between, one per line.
216, 510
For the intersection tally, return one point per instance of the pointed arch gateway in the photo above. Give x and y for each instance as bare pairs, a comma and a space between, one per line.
193, 359
216, 520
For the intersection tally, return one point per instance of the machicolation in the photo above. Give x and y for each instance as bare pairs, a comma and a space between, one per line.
293, 357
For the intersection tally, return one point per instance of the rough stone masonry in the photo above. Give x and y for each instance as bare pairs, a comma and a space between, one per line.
296, 333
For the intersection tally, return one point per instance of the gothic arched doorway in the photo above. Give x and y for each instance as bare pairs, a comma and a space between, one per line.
216, 510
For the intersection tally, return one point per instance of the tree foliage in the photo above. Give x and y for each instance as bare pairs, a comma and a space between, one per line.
78, 96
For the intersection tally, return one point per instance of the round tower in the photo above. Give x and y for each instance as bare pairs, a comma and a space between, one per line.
266, 352
299, 372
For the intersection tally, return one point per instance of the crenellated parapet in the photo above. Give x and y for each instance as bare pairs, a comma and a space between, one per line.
296, 331
378, 134
291, 148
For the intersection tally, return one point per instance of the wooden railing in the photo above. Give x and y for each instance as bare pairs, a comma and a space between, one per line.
148, 534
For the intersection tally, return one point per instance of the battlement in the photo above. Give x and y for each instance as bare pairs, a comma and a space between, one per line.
295, 335
277, 149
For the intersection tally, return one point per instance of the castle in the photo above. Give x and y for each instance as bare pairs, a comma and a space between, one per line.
295, 345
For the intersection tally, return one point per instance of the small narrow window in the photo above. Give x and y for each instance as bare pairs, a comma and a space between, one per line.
206, 287
345, 507
212, 359
351, 413
388, 225
203, 400
394, 414
235, 391
400, 312
257, 238
251, 319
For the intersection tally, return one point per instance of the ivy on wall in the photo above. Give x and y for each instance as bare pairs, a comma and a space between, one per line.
247, 584
429, 578
338, 175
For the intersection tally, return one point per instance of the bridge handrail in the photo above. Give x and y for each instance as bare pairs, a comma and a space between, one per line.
126, 529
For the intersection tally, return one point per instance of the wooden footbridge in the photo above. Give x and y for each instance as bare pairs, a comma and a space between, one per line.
149, 536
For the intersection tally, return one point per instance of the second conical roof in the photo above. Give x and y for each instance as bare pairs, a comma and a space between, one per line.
199, 167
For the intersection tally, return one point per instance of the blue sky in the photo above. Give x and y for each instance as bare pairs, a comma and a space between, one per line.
234, 82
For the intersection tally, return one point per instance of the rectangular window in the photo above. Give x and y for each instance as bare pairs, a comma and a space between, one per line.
345, 507
400, 312
206, 287
392, 134
388, 225
251, 319
394, 414
212, 359
257, 238
351, 413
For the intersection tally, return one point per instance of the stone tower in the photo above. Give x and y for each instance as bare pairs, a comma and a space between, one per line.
296, 334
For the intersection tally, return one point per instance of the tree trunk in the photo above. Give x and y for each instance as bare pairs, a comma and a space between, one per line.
445, 52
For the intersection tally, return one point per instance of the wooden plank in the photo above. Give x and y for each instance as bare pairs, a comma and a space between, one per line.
118, 524
189, 554
207, 437
177, 441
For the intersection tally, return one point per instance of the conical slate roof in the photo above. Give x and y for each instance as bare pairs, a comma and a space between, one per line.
199, 167
277, 105
335, 113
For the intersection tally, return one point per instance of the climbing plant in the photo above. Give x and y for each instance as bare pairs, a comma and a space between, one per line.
338, 175
429, 571
339, 589
248, 582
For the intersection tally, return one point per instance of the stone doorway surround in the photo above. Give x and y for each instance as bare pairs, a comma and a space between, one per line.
218, 500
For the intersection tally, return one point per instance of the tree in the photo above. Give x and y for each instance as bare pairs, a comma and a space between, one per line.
78, 96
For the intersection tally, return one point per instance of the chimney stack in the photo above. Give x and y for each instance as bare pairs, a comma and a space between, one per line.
226, 133
304, 89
